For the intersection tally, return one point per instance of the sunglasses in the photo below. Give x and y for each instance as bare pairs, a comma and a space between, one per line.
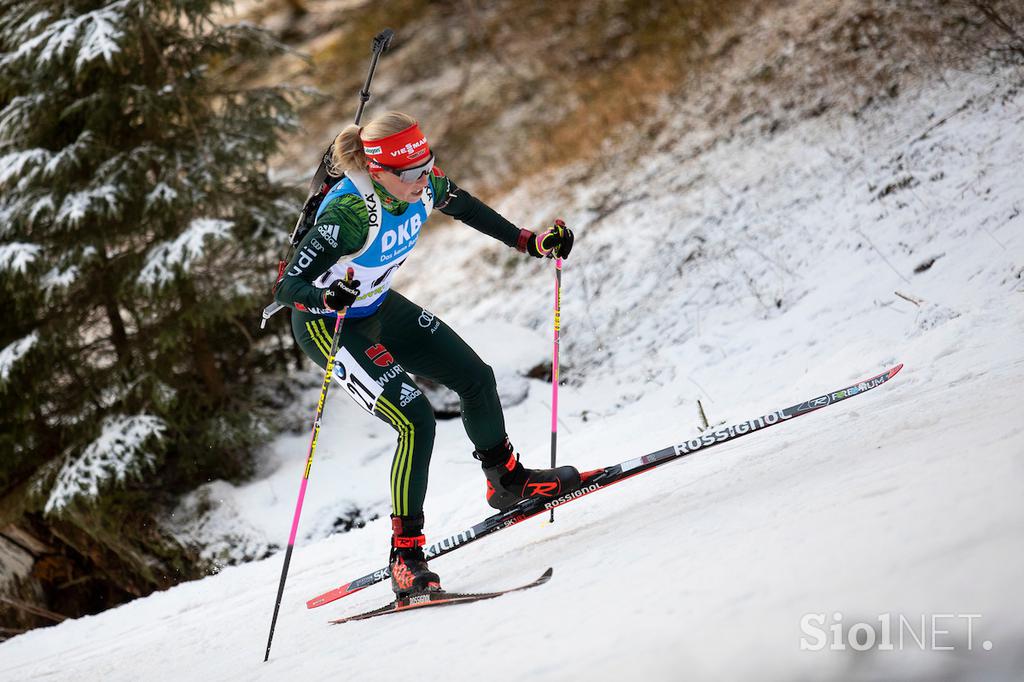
411, 175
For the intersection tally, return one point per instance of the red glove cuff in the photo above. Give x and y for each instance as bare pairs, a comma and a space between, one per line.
524, 238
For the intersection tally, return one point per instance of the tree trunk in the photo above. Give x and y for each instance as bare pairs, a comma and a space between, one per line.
206, 364
118, 333
202, 354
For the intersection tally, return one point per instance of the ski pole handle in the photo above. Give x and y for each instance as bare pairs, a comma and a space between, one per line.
381, 42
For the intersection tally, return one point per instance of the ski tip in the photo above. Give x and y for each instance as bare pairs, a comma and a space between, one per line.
895, 370
333, 595
547, 574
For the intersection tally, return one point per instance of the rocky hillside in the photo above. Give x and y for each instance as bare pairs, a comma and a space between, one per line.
507, 89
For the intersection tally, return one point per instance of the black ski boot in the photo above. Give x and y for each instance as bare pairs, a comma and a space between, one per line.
509, 482
409, 572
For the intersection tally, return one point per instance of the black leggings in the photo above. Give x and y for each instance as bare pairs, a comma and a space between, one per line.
374, 356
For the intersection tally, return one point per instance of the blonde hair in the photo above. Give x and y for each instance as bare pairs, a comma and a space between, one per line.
348, 145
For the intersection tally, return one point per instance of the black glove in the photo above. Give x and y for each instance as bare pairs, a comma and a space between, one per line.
551, 242
341, 294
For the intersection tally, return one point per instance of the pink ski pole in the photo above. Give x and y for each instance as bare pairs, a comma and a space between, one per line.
328, 374
554, 367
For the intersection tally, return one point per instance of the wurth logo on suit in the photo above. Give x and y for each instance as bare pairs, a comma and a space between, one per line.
389, 374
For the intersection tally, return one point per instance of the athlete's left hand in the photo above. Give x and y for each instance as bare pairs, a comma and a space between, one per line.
342, 293
552, 242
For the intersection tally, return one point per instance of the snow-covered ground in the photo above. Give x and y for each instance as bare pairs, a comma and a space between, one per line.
761, 272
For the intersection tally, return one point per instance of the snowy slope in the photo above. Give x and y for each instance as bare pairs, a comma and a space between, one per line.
757, 274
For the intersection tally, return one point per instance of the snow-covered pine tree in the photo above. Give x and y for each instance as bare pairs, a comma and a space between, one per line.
137, 226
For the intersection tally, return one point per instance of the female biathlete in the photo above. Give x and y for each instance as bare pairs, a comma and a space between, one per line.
369, 223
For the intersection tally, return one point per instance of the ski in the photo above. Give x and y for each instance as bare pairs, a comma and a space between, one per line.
592, 481
441, 598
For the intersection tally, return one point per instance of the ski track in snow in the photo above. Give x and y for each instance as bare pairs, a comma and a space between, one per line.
905, 500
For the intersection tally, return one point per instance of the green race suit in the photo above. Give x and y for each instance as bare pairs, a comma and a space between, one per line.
378, 352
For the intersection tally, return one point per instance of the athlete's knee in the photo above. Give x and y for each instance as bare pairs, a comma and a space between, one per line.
421, 414
409, 411
479, 379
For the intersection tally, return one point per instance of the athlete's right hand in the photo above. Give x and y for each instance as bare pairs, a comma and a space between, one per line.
341, 294
551, 242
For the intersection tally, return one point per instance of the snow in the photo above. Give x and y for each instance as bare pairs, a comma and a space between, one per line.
17, 256
758, 273
13, 165
100, 39
33, 23
70, 156
123, 450
164, 259
161, 194
58, 278
17, 114
10, 355
94, 34
40, 207
102, 201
